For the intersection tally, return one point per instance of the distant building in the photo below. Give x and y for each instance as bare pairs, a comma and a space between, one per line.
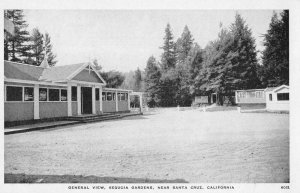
278, 98
271, 98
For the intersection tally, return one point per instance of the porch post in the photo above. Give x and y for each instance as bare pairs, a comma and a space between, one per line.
36, 102
117, 102
141, 102
93, 100
100, 99
128, 100
78, 100
69, 95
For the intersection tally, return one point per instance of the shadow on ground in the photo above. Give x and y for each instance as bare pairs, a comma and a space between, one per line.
23, 178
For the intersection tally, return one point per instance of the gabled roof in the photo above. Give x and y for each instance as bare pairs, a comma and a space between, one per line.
269, 89
14, 70
281, 87
59, 73
275, 89
21, 71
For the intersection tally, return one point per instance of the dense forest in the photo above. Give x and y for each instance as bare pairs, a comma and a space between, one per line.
184, 69
228, 63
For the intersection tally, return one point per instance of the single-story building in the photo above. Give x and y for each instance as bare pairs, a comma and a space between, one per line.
278, 98
252, 98
271, 98
41, 92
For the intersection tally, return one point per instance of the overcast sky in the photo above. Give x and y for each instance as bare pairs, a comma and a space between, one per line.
123, 40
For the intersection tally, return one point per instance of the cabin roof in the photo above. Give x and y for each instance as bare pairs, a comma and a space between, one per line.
15, 70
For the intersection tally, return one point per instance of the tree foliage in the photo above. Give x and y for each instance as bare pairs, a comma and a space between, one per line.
275, 69
15, 47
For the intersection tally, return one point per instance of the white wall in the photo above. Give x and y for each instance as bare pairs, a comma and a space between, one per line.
275, 104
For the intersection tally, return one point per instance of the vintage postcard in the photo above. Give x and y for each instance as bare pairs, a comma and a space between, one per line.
118, 98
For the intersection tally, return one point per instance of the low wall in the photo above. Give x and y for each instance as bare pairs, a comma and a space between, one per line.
123, 106
18, 111
109, 106
53, 109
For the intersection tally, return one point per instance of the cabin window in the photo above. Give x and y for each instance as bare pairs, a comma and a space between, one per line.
97, 94
259, 94
74, 93
123, 98
43, 94
53, 94
109, 96
114, 96
14, 93
119, 96
270, 97
63, 95
28, 94
126, 96
103, 96
283, 96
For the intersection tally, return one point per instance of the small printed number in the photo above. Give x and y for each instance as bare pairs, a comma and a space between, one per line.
285, 187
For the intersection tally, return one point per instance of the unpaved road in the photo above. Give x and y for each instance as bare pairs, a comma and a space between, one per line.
193, 146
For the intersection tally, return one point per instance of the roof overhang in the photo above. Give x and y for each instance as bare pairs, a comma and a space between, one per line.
34, 82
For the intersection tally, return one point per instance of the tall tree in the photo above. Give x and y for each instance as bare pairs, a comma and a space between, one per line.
168, 57
275, 57
152, 82
183, 67
184, 45
15, 47
242, 58
37, 47
48, 47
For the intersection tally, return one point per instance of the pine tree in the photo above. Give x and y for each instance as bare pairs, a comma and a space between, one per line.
183, 67
241, 61
15, 47
48, 47
275, 58
168, 57
37, 47
152, 82
184, 45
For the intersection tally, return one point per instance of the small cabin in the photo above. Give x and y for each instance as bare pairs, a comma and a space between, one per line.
278, 98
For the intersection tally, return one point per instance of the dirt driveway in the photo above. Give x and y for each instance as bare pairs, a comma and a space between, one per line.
190, 145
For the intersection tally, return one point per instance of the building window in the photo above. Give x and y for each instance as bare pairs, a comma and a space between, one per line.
97, 94
103, 96
43, 94
28, 94
259, 94
109, 96
14, 93
283, 96
53, 95
63, 95
74, 93
119, 96
123, 97
270, 97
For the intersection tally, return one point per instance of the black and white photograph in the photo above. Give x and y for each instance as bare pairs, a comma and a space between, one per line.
147, 99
